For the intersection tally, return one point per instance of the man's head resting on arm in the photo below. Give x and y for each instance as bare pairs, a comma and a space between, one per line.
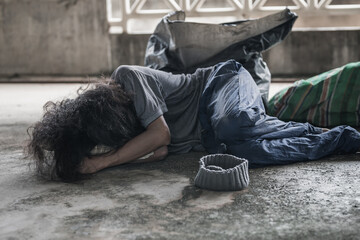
70, 129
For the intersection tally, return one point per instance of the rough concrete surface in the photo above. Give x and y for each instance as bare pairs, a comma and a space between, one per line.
312, 200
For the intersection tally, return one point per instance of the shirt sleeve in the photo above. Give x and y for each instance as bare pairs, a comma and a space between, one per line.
146, 94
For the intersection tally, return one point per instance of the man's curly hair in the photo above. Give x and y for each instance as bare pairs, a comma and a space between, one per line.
70, 129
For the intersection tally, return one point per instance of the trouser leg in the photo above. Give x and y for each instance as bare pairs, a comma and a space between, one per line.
263, 152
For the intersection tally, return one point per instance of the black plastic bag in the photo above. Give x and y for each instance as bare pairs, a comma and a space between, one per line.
182, 47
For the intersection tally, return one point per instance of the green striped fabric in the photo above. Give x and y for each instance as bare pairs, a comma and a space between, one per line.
327, 100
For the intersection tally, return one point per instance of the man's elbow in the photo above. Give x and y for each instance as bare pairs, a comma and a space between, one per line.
162, 136
166, 137
160, 132
161, 153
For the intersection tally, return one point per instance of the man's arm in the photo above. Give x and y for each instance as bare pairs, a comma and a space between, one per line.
158, 154
154, 139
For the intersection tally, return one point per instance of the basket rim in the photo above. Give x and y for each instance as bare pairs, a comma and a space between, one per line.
240, 163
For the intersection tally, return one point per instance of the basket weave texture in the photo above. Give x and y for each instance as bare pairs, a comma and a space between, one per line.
222, 172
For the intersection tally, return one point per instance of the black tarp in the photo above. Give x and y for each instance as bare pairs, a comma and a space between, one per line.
182, 47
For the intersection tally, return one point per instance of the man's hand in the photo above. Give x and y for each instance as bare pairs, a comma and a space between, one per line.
90, 165
155, 139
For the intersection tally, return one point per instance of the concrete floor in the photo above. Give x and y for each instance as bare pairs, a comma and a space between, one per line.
313, 200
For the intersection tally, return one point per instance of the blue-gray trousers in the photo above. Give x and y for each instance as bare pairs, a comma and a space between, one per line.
233, 120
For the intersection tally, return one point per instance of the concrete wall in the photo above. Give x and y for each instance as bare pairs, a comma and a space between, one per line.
311, 52
49, 37
70, 38
128, 49
303, 53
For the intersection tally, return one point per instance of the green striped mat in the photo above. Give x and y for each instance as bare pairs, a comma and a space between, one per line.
327, 100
